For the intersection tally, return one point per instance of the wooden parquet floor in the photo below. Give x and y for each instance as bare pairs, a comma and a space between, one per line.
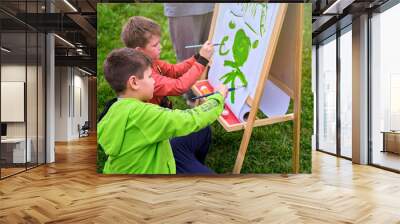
70, 191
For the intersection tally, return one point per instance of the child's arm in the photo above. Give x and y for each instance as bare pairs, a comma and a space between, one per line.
166, 86
159, 124
177, 70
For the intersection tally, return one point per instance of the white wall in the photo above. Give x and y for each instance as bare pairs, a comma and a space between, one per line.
80, 101
71, 94
61, 103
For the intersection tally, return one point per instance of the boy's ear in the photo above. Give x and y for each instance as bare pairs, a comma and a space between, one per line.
133, 82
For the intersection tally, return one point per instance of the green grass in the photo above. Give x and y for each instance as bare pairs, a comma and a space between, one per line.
270, 147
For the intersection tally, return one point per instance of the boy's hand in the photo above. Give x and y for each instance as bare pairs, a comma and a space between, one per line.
207, 50
222, 89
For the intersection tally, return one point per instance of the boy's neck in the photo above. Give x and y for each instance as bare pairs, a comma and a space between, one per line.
130, 95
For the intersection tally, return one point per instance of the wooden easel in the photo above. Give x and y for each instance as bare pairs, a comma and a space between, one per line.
282, 66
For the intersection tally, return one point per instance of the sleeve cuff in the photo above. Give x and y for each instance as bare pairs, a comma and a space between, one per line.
200, 59
218, 97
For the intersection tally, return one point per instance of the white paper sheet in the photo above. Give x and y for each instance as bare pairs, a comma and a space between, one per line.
246, 18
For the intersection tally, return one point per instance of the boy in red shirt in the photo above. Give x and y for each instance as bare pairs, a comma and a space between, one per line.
144, 34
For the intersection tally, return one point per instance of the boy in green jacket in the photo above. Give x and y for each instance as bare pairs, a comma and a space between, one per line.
135, 135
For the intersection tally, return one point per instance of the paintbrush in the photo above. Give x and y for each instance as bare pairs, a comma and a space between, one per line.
209, 94
199, 45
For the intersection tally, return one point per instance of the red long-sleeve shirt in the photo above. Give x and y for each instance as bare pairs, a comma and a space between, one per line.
174, 80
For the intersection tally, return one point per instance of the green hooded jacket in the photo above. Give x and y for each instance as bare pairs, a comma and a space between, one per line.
135, 135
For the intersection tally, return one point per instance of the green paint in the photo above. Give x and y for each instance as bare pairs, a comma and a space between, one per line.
254, 10
230, 76
245, 6
220, 49
241, 76
255, 44
230, 64
250, 9
262, 21
227, 80
233, 92
241, 47
232, 25
251, 28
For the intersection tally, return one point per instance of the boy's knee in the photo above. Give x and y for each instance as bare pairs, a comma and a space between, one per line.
208, 128
206, 132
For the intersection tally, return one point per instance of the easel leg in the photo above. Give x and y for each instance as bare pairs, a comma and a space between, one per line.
297, 91
243, 148
260, 88
296, 143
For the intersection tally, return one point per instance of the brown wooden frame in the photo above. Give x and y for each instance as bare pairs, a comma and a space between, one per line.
283, 67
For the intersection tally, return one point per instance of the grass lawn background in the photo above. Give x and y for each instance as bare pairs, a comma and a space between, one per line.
270, 147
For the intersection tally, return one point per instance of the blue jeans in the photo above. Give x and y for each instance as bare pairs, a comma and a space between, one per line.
190, 152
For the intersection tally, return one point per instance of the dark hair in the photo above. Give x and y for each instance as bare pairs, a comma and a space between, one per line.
138, 30
121, 64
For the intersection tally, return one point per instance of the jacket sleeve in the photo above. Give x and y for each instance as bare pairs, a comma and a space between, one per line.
176, 70
111, 129
166, 86
160, 124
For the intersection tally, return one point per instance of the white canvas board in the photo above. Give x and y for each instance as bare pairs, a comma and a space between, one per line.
244, 31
